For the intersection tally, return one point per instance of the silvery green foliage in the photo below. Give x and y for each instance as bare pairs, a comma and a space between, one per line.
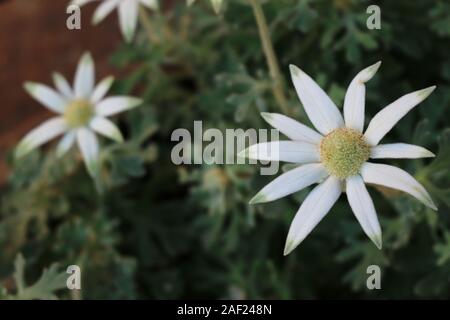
165, 231
44, 288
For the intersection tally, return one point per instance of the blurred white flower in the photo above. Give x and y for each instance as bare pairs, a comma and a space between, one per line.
81, 112
128, 12
337, 155
217, 4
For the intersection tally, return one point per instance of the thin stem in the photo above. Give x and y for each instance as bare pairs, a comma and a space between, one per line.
271, 57
148, 26
157, 28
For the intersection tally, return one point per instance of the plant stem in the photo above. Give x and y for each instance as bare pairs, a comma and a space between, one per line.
157, 27
271, 57
148, 26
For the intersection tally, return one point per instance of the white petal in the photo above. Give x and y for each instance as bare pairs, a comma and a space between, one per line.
151, 4
399, 151
103, 10
313, 209
113, 105
290, 182
40, 135
291, 128
289, 151
62, 85
88, 144
322, 112
395, 178
80, 2
128, 16
355, 97
106, 128
384, 120
46, 96
84, 77
65, 144
101, 89
362, 206
217, 5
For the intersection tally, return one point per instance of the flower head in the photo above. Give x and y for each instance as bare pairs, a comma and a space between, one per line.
81, 112
343, 152
336, 157
128, 12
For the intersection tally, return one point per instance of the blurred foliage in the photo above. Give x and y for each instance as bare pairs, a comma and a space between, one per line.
44, 288
158, 230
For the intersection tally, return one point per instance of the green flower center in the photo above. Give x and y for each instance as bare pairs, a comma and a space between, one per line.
343, 152
78, 113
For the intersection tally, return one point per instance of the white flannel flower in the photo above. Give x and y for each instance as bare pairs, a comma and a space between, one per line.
128, 12
81, 112
337, 155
